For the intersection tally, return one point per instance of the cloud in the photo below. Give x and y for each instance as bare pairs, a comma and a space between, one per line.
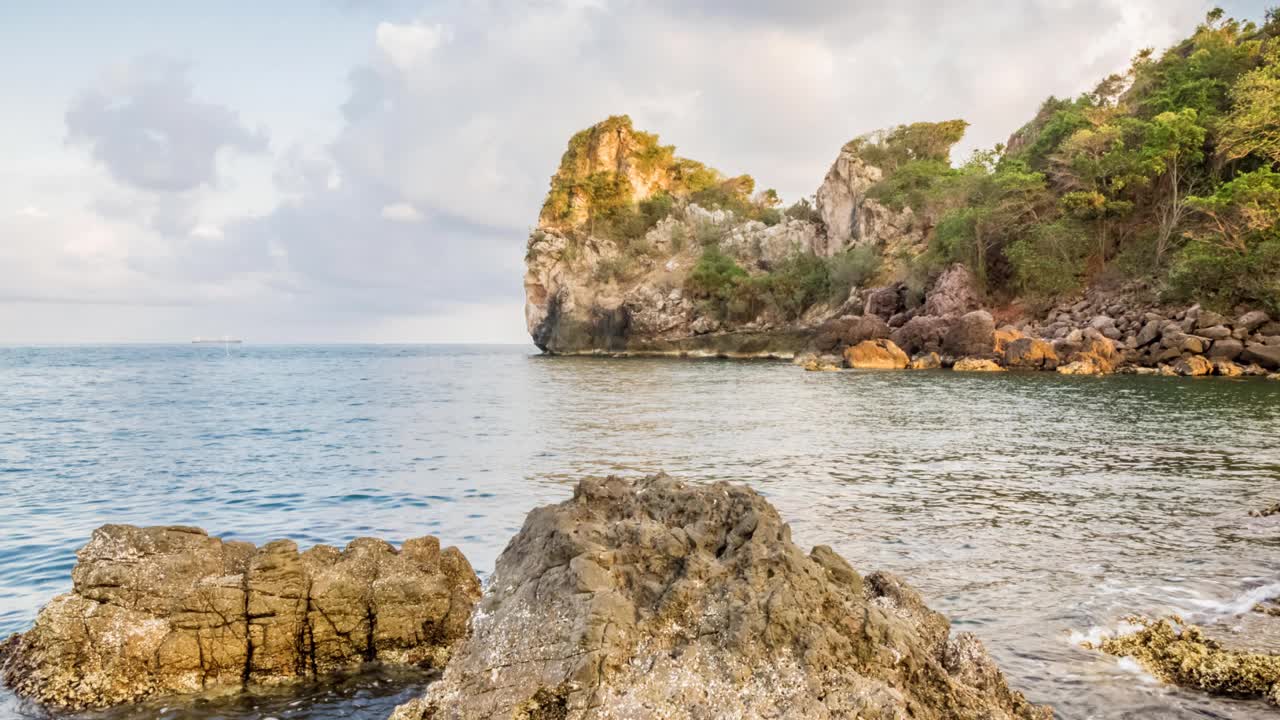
406, 45
412, 218
143, 125
401, 212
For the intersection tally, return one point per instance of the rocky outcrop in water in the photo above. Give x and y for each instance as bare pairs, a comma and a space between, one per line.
166, 610
653, 598
1183, 655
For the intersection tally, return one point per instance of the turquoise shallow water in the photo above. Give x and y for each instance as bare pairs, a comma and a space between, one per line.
1032, 509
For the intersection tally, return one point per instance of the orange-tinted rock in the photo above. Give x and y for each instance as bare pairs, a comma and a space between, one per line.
876, 355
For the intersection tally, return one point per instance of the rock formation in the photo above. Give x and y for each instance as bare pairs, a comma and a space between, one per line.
619, 233
656, 599
619, 265
852, 218
167, 610
876, 355
1182, 654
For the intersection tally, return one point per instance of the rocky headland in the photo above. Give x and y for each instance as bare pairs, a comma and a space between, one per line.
1136, 227
169, 610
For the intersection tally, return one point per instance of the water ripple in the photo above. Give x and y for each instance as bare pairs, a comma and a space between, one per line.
1026, 507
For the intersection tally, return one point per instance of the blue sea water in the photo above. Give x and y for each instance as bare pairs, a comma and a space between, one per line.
1032, 509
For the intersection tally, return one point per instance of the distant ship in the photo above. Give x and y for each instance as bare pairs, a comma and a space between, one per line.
216, 341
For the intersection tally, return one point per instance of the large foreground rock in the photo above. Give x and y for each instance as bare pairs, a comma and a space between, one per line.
166, 610
656, 599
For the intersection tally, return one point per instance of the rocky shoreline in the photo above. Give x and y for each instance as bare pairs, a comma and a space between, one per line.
1098, 334
640, 253
632, 599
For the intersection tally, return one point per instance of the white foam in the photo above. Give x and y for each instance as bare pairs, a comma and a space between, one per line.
1239, 605
1096, 634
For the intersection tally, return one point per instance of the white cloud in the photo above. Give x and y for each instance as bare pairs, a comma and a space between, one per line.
410, 224
407, 45
401, 212
142, 123
206, 232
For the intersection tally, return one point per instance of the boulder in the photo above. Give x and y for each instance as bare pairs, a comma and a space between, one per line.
1208, 319
971, 335
656, 599
837, 334
876, 355
1095, 356
923, 333
1150, 332
926, 361
976, 365
1227, 349
1003, 337
953, 293
1193, 366
1268, 356
1251, 321
166, 610
883, 302
1226, 368
1030, 354
1217, 332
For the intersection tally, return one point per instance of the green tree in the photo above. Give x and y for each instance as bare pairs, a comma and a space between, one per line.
1253, 125
1173, 153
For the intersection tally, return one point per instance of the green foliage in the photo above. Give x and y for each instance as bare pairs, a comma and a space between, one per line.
1253, 125
730, 293
804, 210
913, 184
798, 283
1234, 253
853, 268
1222, 278
1199, 72
1051, 259
893, 148
714, 278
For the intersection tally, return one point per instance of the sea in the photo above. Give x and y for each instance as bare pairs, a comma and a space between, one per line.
1035, 510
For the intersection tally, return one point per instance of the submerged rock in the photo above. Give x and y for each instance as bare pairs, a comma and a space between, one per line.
167, 610
1268, 511
656, 599
1181, 654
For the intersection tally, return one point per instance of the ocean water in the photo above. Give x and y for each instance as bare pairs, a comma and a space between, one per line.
1034, 510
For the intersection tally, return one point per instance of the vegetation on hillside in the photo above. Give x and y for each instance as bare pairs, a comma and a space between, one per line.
612, 210
1168, 171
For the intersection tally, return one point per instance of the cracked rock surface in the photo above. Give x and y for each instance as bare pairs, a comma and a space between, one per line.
656, 599
166, 610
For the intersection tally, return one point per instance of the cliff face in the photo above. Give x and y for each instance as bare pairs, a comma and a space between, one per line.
627, 224
854, 219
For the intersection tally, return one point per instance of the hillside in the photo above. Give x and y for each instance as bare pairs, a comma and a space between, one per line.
1159, 188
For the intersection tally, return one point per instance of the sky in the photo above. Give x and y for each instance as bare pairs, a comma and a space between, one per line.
369, 170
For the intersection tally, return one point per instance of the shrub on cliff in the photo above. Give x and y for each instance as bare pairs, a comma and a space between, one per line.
852, 268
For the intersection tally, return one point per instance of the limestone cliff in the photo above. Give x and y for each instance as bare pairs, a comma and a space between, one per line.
625, 225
